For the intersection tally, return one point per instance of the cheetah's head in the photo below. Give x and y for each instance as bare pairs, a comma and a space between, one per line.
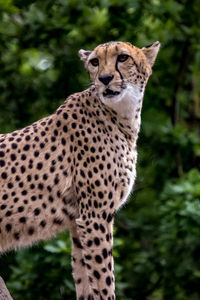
119, 69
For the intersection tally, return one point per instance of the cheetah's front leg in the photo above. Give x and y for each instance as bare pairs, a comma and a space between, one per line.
97, 243
83, 289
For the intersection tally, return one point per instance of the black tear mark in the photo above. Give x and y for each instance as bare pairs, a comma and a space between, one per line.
122, 79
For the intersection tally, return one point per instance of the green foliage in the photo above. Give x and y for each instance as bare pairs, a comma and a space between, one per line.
44, 271
157, 232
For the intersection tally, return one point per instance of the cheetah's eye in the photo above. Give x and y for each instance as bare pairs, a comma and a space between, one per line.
94, 62
122, 57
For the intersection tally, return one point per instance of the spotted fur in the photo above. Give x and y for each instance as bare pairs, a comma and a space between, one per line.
75, 168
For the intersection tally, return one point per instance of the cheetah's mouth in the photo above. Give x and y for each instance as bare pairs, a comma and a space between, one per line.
109, 93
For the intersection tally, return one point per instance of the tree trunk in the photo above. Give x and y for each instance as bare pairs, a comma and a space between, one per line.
4, 293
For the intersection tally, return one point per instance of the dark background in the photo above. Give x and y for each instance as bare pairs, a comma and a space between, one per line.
157, 233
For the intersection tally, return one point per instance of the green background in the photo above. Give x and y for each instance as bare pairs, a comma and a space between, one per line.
157, 233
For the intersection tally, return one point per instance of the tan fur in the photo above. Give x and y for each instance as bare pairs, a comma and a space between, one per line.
74, 169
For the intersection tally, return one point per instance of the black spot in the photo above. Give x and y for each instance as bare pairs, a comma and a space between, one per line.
26, 147
102, 228
8, 213
104, 215
53, 148
89, 243
16, 199
96, 274
43, 223
107, 237
96, 226
92, 149
96, 292
56, 180
13, 157
33, 198
23, 157
90, 174
2, 163
73, 125
36, 139
45, 176
112, 204
97, 183
105, 292
85, 147
44, 205
109, 266
88, 257
100, 194
36, 211
23, 169
63, 141
8, 227
82, 173
108, 281
4, 175
20, 209
36, 153
95, 204
50, 199
5, 196
27, 138
74, 116
22, 220
109, 219
110, 195
98, 259
39, 165
83, 194
58, 123
65, 116
53, 210
97, 241
105, 253
101, 166
24, 192
16, 235
31, 231
13, 170
2, 154
10, 185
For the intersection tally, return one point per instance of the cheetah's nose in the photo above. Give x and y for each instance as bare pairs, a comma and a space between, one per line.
106, 78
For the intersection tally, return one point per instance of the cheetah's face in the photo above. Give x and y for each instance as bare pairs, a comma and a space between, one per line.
119, 69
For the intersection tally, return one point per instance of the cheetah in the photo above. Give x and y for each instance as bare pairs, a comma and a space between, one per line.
75, 168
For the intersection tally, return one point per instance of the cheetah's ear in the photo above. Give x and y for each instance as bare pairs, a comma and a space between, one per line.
83, 54
151, 52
